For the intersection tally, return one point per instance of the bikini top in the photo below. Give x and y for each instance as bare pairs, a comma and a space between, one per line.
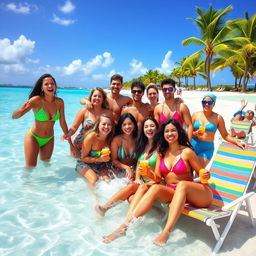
210, 127
179, 167
176, 116
151, 159
122, 154
41, 115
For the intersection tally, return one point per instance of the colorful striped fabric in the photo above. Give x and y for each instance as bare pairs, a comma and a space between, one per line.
241, 125
231, 172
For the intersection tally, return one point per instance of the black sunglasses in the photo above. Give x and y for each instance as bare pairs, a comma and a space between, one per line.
210, 102
170, 89
136, 91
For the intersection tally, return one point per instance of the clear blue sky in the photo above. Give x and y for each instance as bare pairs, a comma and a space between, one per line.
82, 43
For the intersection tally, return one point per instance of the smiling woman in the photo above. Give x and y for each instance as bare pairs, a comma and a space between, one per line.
47, 109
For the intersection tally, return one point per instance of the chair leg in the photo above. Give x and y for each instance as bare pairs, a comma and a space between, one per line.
226, 229
249, 210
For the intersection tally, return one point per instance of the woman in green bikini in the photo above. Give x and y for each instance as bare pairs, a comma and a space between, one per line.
47, 109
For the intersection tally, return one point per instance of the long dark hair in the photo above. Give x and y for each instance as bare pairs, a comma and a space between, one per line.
143, 139
182, 137
37, 89
120, 122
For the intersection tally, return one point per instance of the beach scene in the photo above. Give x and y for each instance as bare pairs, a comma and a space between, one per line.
48, 207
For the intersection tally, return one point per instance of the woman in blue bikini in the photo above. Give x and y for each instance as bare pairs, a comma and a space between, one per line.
123, 145
47, 109
205, 124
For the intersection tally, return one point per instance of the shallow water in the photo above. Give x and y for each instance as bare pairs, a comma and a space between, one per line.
50, 210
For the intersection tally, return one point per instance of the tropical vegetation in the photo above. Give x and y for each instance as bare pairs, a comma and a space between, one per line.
224, 44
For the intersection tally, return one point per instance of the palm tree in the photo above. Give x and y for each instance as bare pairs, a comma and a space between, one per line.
193, 67
213, 35
245, 50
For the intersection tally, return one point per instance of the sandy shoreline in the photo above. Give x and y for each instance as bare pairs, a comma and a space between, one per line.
241, 238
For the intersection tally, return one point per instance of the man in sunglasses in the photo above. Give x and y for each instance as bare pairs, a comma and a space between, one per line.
138, 109
173, 108
116, 101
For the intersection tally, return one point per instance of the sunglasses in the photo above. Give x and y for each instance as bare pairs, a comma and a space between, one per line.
170, 89
205, 102
136, 91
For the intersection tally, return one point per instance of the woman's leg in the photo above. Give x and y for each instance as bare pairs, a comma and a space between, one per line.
46, 150
195, 193
31, 150
155, 192
89, 174
121, 195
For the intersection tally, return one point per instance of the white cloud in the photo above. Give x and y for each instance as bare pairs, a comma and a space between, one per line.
63, 22
137, 67
104, 77
17, 52
74, 67
99, 61
21, 8
167, 65
67, 7
16, 68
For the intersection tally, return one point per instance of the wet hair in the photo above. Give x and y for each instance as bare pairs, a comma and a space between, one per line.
97, 131
143, 140
168, 81
120, 122
152, 86
138, 84
104, 96
37, 89
163, 144
116, 77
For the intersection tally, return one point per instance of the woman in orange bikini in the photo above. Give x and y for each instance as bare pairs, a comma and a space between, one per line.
47, 109
175, 162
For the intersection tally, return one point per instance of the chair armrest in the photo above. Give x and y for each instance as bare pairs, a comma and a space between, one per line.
196, 179
237, 201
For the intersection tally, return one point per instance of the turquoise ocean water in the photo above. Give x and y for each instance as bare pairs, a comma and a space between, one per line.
50, 210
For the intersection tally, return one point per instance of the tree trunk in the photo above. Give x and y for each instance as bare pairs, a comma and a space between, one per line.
243, 89
207, 71
240, 81
194, 78
235, 83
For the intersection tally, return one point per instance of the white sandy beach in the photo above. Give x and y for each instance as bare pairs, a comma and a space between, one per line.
241, 239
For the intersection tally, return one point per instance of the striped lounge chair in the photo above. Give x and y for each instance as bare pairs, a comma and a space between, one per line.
231, 171
245, 126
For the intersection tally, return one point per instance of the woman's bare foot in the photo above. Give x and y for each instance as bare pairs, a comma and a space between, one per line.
100, 209
119, 232
161, 239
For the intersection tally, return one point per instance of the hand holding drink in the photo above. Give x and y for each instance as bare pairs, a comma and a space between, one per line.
201, 130
105, 151
144, 167
202, 172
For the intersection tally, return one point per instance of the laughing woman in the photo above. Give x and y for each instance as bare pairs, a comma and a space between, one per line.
146, 150
47, 109
93, 161
175, 162
205, 124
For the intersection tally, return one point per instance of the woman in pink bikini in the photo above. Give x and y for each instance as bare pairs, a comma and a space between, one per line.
175, 162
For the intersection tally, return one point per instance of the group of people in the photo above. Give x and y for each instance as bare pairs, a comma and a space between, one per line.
120, 133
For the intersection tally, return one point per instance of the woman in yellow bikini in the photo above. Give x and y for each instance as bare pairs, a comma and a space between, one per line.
47, 109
